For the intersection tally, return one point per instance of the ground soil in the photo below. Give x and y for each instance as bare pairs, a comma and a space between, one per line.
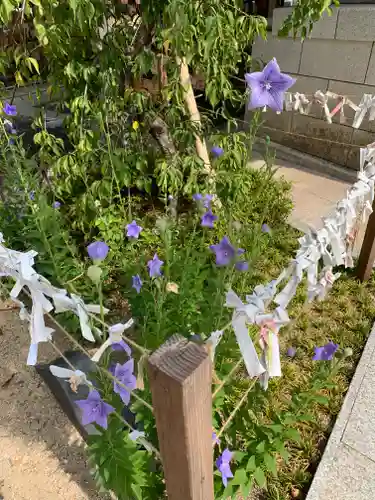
42, 456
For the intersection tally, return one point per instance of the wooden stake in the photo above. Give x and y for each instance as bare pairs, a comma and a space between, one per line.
180, 380
367, 255
195, 117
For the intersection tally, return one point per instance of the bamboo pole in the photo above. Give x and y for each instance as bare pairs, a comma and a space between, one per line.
195, 117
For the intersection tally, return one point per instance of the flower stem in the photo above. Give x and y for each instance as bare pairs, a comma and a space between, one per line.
100, 294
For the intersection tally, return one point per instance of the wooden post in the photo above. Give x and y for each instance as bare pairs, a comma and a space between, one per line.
180, 380
367, 255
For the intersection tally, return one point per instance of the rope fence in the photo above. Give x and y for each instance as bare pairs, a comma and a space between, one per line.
175, 363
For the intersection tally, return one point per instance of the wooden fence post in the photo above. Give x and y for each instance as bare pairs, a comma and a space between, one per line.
367, 255
180, 380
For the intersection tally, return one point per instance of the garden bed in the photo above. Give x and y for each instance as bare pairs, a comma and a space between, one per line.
130, 229
346, 318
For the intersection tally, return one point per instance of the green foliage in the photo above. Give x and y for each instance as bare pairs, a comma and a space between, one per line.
129, 143
120, 466
267, 437
303, 16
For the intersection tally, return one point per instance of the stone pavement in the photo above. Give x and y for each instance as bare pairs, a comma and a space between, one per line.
347, 468
315, 194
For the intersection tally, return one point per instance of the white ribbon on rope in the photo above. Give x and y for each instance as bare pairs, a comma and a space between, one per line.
75, 377
243, 314
75, 304
115, 336
297, 101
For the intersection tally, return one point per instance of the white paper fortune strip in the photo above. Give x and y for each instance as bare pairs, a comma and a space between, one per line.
243, 314
297, 101
115, 336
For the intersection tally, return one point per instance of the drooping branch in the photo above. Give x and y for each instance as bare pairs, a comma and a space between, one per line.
159, 131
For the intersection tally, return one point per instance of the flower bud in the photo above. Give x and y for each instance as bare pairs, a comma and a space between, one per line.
348, 351
94, 273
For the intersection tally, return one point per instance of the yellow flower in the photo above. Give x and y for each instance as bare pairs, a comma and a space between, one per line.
135, 125
172, 287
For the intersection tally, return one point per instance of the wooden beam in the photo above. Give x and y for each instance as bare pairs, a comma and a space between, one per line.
180, 380
367, 255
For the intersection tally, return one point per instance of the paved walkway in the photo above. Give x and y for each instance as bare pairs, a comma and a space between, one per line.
314, 194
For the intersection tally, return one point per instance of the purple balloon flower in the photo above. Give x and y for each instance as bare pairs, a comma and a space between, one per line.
217, 151
291, 352
215, 439
56, 204
223, 464
197, 197
32, 195
268, 87
133, 230
207, 200
98, 250
266, 228
121, 346
137, 282
124, 373
154, 266
326, 352
208, 219
94, 409
225, 252
242, 266
10, 109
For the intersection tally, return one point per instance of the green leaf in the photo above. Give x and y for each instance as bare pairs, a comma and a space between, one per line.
260, 477
73, 5
137, 491
251, 464
293, 434
277, 428
227, 493
18, 77
106, 474
289, 420
306, 417
32, 63
270, 463
246, 489
238, 456
6, 9
285, 455
261, 447
323, 400
240, 477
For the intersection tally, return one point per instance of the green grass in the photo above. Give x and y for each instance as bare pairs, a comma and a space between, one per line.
345, 317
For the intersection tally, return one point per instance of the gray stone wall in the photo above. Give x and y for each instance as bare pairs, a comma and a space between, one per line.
339, 56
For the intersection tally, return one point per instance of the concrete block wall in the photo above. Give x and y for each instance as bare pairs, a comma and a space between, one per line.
339, 56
